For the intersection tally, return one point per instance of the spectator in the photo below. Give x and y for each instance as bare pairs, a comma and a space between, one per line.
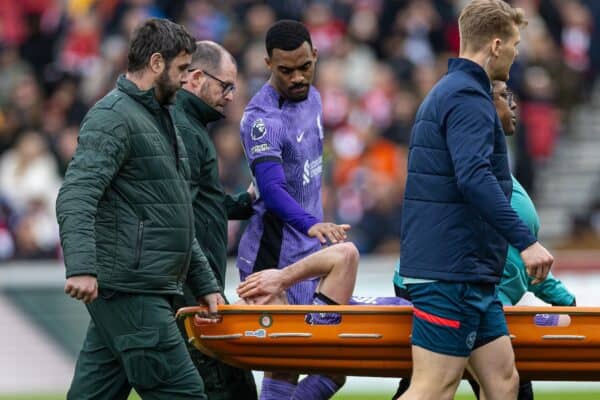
29, 181
59, 57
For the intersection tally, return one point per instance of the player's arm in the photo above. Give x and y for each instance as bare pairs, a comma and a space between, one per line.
202, 281
271, 182
470, 139
552, 291
264, 141
103, 145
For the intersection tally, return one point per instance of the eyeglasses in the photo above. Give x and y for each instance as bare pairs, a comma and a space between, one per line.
227, 87
510, 98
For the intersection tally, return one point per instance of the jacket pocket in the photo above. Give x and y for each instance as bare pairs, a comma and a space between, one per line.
138, 244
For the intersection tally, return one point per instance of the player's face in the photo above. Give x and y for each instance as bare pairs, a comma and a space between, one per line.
504, 52
292, 72
506, 107
172, 78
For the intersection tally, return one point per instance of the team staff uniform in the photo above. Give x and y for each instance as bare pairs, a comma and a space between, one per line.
212, 209
126, 137
212, 206
457, 197
515, 282
457, 220
126, 222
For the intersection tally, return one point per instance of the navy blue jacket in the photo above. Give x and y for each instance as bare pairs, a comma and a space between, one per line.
456, 217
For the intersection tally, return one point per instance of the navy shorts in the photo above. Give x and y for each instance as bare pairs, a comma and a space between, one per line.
455, 318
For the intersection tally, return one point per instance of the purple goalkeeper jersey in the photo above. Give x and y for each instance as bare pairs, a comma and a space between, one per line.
274, 129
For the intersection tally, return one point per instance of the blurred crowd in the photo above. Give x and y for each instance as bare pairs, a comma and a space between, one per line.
377, 60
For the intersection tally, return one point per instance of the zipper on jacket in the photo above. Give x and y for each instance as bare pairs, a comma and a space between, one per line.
138, 245
188, 257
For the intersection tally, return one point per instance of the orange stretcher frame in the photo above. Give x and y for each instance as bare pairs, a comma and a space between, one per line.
375, 340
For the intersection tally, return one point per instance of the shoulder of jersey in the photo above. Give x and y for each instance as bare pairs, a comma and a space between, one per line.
258, 125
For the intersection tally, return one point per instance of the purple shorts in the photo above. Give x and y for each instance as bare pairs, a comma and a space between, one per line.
334, 318
378, 301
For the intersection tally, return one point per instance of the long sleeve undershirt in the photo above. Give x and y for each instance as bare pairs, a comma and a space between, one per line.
270, 179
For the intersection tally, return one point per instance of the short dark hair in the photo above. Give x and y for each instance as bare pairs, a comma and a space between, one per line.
287, 35
209, 55
158, 35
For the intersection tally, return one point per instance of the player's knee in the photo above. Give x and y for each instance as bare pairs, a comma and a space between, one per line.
505, 388
513, 382
350, 254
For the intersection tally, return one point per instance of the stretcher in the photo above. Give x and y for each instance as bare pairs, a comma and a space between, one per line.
375, 340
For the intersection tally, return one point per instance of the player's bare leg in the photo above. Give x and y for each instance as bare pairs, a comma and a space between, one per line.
337, 265
494, 365
339, 282
434, 376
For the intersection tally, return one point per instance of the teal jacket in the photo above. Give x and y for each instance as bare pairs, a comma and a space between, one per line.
124, 209
515, 281
212, 206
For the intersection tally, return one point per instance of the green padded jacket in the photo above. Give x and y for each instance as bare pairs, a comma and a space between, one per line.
124, 209
212, 207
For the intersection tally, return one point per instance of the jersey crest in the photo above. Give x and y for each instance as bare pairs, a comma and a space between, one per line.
259, 130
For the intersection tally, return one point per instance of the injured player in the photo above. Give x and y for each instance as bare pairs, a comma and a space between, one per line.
337, 266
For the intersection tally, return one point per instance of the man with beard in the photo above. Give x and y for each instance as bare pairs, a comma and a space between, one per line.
209, 87
126, 226
282, 135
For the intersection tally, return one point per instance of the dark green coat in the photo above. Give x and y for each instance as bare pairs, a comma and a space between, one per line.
124, 210
212, 207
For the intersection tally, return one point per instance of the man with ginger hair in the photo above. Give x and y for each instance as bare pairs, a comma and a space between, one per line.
457, 220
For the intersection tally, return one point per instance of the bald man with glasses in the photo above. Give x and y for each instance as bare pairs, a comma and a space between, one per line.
228, 87
209, 88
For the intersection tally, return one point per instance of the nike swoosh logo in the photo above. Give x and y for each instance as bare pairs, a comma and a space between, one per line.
300, 137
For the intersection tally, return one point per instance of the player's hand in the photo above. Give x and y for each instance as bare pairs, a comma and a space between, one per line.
328, 231
252, 191
211, 300
262, 287
538, 262
82, 287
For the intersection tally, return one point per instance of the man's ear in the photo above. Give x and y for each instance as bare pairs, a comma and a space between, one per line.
194, 77
268, 62
495, 48
315, 53
157, 63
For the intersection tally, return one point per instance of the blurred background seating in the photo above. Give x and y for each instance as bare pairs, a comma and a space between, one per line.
377, 60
